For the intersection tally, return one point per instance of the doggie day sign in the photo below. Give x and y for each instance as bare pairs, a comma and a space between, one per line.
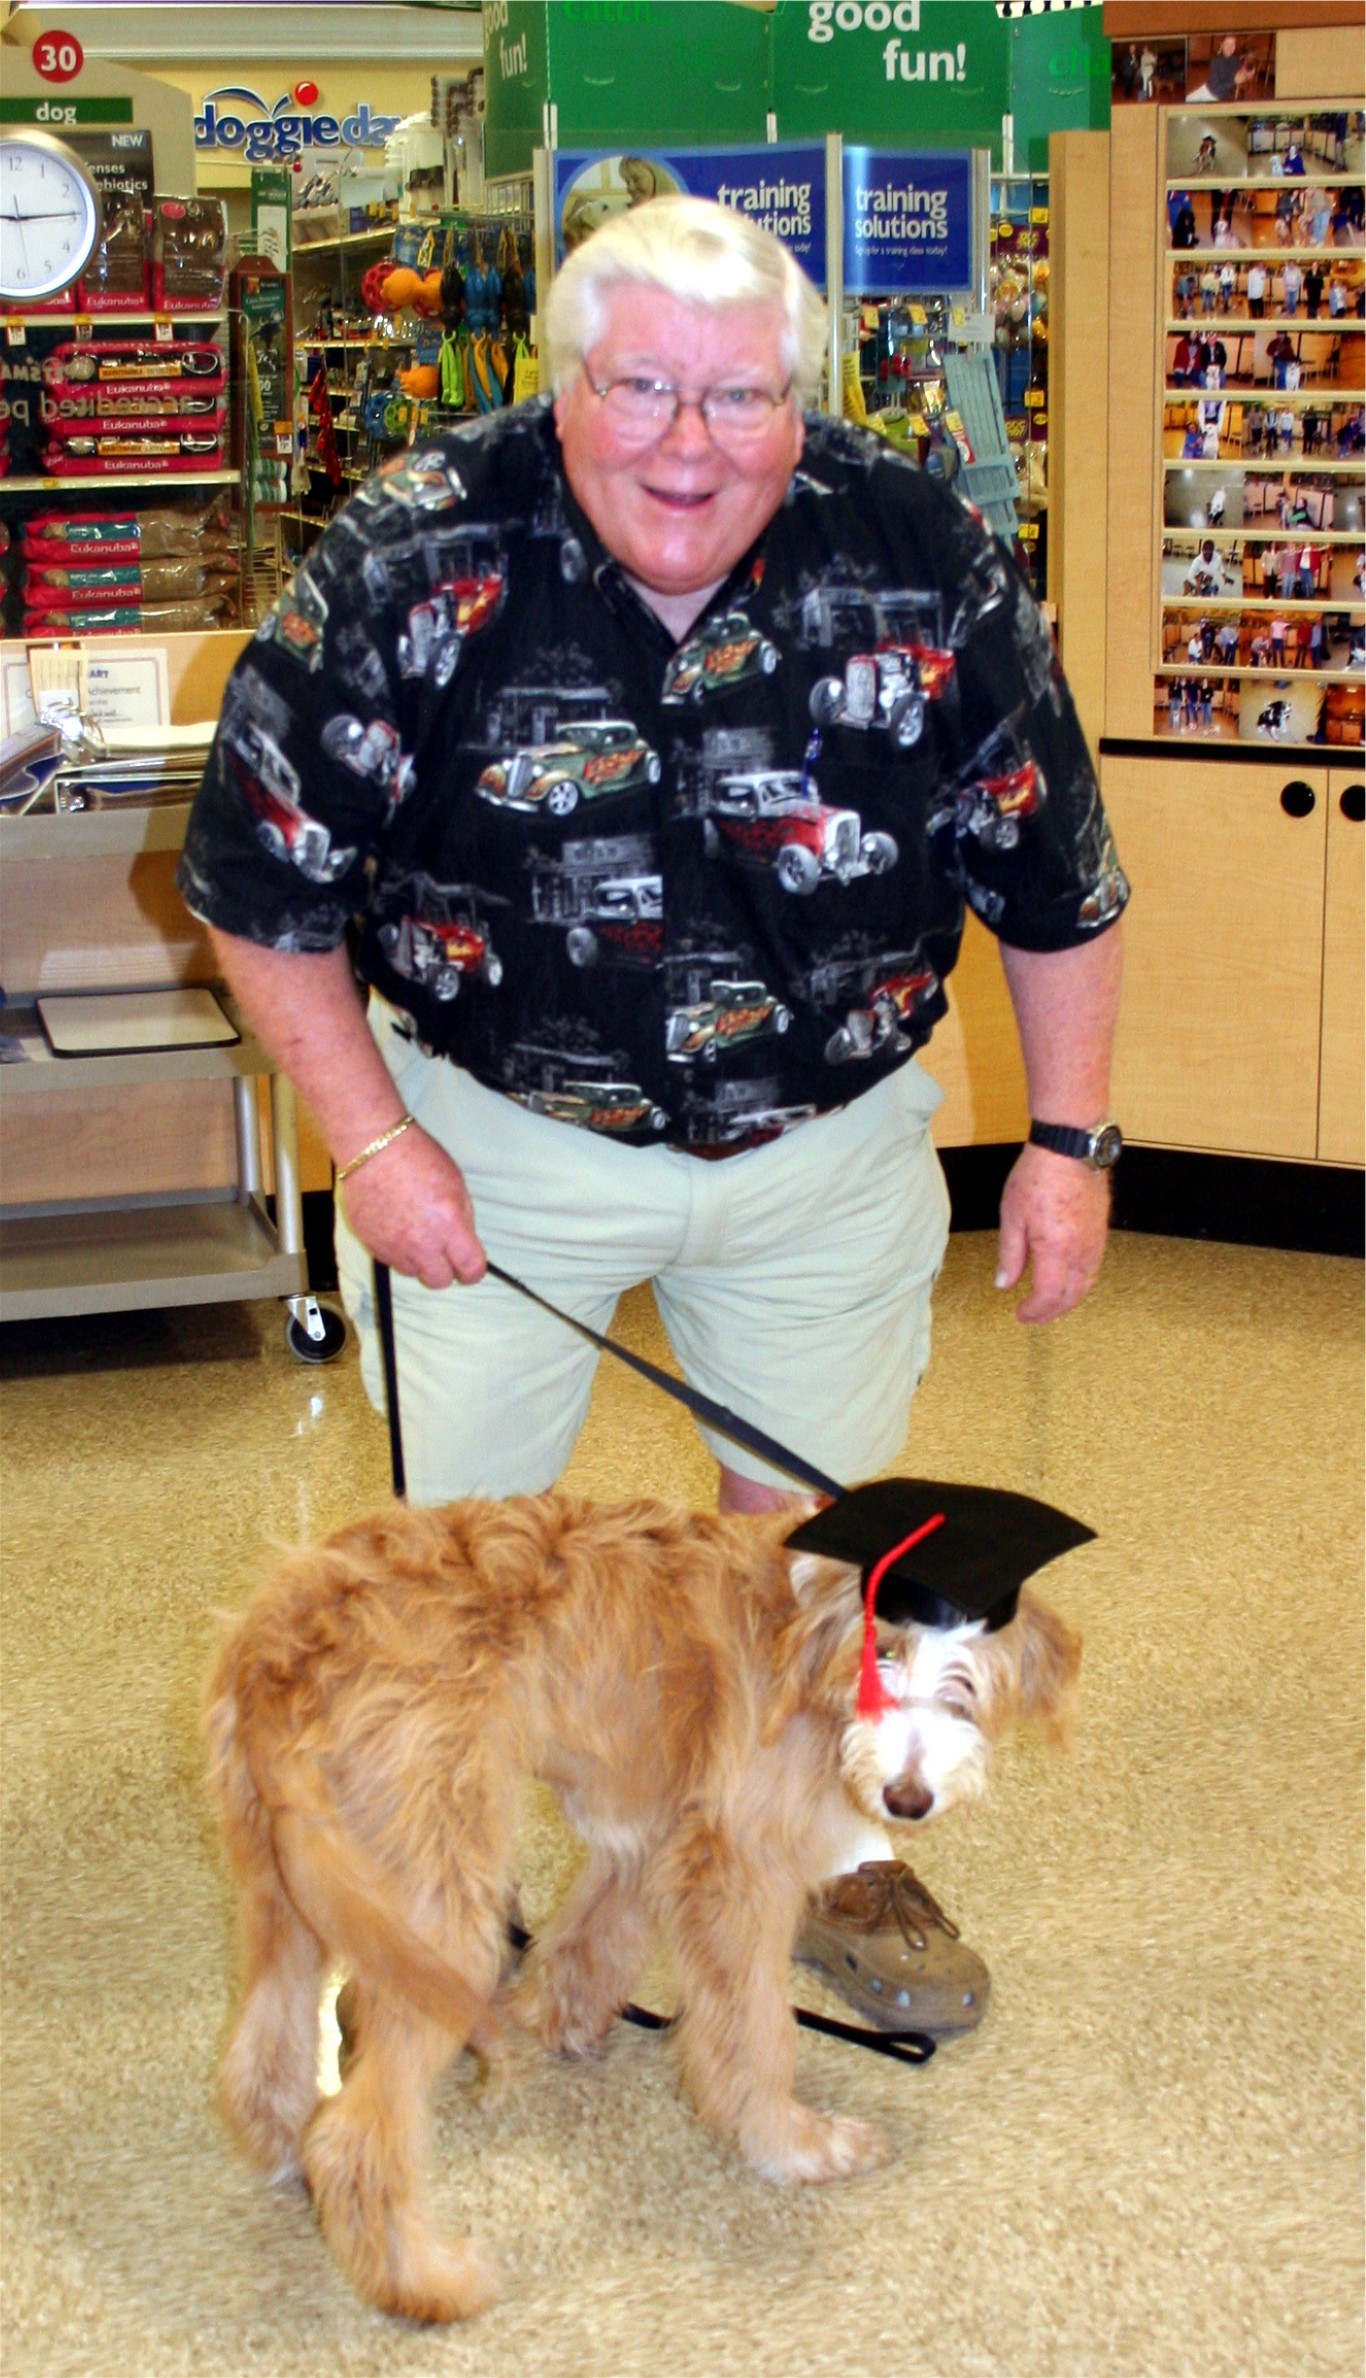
907, 221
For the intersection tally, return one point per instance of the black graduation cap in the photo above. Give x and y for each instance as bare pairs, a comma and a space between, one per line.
973, 1548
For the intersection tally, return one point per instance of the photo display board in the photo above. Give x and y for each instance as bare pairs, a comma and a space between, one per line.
1261, 615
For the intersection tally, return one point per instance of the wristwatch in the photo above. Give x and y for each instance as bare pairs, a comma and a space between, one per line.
1099, 1147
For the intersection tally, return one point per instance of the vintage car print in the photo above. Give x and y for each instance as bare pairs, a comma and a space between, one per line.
438, 955
438, 626
623, 918
722, 653
776, 817
890, 686
734, 1012
1112, 889
991, 808
596, 757
596, 1106
270, 789
297, 621
877, 1024
370, 750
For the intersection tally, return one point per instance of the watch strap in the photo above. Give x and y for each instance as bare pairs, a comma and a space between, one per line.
1064, 1139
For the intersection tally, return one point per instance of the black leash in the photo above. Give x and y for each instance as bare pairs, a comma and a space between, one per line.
908, 2047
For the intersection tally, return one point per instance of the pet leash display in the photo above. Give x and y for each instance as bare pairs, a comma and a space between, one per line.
907, 2047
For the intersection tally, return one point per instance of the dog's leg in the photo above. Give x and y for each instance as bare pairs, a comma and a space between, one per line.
365, 2150
732, 1920
268, 2084
583, 1969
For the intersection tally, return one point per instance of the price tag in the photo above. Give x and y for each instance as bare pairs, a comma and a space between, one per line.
163, 330
1038, 214
15, 335
958, 317
917, 313
82, 327
1034, 397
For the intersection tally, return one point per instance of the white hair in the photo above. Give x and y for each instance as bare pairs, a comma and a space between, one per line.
708, 255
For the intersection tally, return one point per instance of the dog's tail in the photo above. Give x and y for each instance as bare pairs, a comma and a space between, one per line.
344, 1897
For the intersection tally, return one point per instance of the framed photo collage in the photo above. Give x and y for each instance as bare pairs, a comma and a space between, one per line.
1262, 612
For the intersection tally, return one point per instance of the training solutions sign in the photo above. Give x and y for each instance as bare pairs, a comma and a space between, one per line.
781, 187
907, 222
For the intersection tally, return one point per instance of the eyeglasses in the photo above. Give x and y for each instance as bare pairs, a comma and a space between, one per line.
643, 408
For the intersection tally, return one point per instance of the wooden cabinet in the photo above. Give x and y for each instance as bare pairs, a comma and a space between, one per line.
1240, 1030
1342, 1122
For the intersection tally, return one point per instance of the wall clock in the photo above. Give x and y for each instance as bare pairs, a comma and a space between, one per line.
49, 216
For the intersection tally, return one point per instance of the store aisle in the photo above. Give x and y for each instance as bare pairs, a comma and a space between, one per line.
1146, 2163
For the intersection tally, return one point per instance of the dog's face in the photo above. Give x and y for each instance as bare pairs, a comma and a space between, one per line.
956, 1691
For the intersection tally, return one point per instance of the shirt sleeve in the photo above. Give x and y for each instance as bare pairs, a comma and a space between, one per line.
1032, 849
322, 720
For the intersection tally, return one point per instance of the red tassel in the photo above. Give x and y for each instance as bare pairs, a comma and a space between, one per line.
874, 1700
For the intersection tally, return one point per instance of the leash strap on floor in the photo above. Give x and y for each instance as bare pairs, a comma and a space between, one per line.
907, 2047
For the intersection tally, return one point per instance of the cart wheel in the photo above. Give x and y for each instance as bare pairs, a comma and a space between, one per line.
309, 1349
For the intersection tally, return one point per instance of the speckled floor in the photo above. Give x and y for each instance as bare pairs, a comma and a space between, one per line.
1147, 2162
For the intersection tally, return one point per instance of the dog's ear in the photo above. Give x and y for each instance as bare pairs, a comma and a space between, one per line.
1050, 1656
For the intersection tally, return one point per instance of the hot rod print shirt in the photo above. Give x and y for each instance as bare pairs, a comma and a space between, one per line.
695, 891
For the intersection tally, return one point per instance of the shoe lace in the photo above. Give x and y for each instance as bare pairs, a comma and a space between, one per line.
894, 1889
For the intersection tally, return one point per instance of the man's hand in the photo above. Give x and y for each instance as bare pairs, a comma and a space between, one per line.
1055, 1214
410, 1207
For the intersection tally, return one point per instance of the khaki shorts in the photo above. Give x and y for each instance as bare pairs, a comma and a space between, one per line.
794, 1281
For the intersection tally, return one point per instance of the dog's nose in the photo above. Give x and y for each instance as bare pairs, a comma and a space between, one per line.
907, 1799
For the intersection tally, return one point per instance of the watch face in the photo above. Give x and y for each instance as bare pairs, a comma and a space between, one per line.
1106, 1146
49, 217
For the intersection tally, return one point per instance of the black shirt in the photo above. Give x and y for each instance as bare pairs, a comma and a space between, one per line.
697, 890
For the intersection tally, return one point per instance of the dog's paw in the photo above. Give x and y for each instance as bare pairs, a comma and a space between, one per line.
820, 2147
455, 2282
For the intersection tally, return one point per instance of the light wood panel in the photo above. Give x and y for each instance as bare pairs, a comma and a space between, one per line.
1320, 62
1218, 1043
975, 1053
1134, 345
1342, 1098
154, 1140
1079, 336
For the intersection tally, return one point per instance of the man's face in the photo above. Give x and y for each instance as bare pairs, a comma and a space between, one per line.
677, 509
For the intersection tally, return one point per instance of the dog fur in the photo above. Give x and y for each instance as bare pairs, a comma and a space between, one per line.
685, 1685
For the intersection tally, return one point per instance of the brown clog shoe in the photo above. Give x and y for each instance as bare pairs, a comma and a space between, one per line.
881, 1941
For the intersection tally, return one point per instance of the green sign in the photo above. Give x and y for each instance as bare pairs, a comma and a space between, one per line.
1059, 81
658, 73
57, 114
899, 73
516, 83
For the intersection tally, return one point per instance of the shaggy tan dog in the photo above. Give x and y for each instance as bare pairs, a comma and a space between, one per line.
686, 1686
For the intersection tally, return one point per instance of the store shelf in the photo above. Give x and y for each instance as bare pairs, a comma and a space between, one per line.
126, 1258
90, 485
340, 239
80, 324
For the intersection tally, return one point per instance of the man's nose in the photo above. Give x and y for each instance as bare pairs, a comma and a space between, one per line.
688, 432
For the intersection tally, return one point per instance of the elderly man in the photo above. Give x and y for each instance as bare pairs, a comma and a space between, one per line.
649, 746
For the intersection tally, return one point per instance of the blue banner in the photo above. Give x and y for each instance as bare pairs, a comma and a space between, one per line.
781, 187
907, 222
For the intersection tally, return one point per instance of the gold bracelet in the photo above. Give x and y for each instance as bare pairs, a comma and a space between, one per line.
376, 1148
